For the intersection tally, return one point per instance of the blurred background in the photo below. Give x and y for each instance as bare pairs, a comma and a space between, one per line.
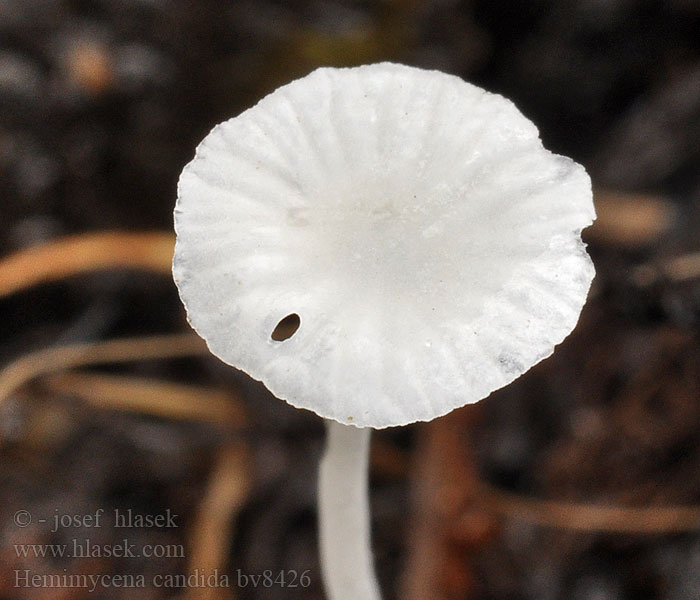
579, 481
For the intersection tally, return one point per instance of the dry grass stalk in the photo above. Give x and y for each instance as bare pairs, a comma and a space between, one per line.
166, 400
630, 220
678, 269
85, 253
592, 518
49, 360
212, 531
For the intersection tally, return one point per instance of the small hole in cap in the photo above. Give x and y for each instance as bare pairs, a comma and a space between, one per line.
286, 328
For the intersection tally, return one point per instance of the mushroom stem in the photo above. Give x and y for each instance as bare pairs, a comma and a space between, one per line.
344, 523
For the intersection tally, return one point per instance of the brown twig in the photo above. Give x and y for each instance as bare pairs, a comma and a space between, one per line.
448, 523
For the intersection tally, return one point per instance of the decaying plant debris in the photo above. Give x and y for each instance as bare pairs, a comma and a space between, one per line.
580, 481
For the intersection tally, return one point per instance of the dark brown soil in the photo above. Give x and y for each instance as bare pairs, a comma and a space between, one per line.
103, 101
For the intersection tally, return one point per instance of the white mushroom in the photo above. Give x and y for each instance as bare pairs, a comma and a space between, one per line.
426, 243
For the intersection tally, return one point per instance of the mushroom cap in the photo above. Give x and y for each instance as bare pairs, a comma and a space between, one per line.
428, 243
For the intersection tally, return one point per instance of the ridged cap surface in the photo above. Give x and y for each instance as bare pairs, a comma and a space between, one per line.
428, 242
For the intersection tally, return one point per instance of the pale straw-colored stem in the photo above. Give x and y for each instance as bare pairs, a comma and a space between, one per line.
344, 522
